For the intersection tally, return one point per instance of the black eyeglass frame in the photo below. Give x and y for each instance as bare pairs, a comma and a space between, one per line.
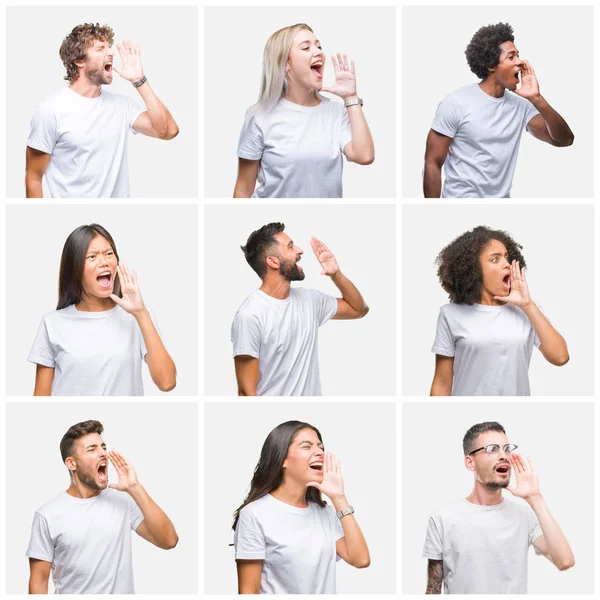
514, 447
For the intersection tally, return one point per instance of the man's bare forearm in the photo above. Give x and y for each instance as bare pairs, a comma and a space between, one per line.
435, 576
350, 293
557, 127
157, 522
159, 114
33, 187
432, 180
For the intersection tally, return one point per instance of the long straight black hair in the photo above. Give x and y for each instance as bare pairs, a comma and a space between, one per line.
72, 260
268, 474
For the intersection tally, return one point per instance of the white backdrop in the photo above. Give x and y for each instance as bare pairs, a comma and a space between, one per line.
158, 241
434, 39
558, 437
366, 34
357, 358
558, 244
361, 435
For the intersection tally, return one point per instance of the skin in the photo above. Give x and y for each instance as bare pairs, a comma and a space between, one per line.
100, 258
350, 306
307, 449
95, 71
304, 83
511, 70
487, 491
89, 476
505, 282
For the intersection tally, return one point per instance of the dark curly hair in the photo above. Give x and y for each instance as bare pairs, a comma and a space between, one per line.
259, 243
74, 46
459, 269
483, 50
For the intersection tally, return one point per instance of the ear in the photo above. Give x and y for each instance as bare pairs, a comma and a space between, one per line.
272, 262
284, 465
469, 463
70, 463
491, 70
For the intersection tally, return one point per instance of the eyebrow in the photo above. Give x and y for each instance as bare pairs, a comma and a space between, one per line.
290, 243
498, 254
109, 249
309, 42
95, 446
309, 442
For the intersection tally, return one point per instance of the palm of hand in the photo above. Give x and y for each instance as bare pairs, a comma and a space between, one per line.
127, 479
131, 62
519, 296
529, 87
332, 484
132, 298
328, 262
527, 485
345, 84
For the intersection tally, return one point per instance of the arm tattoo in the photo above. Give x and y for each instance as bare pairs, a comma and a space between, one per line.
435, 576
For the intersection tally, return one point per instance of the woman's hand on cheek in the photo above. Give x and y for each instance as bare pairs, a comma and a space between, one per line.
131, 300
333, 483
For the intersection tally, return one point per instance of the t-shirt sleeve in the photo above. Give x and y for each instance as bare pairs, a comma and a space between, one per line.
326, 306
134, 110
43, 130
41, 545
534, 529
42, 352
245, 335
135, 514
345, 130
447, 118
251, 143
433, 547
443, 343
530, 112
249, 538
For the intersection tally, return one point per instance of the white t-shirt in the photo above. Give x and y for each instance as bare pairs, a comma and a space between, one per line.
483, 548
299, 147
486, 133
92, 353
296, 545
87, 142
491, 346
88, 542
282, 334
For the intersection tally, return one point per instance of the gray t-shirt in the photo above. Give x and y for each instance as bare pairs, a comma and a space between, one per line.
483, 548
486, 133
296, 545
88, 542
282, 334
491, 346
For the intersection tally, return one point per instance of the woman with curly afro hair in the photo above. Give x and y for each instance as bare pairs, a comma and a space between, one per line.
477, 129
485, 335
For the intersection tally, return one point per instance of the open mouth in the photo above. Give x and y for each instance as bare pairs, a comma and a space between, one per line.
103, 471
317, 68
316, 466
506, 281
503, 469
108, 68
517, 77
104, 279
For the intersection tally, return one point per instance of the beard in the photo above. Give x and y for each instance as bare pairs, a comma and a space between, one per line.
87, 477
290, 271
97, 76
496, 485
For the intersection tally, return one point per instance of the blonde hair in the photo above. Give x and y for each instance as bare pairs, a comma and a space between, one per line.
273, 85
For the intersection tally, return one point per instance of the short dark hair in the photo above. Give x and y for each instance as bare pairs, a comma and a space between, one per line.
476, 430
483, 50
459, 269
258, 244
75, 432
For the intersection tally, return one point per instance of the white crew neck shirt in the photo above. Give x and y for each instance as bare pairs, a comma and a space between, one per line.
486, 133
300, 149
92, 353
491, 346
296, 545
283, 335
87, 142
88, 542
483, 548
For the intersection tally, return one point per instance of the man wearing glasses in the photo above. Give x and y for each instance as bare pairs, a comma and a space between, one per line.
479, 545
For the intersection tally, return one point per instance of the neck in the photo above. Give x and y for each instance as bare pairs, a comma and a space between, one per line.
79, 490
276, 287
84, 87
291, 493
301, 95
492, 87
484, 496
487, 299
93, 304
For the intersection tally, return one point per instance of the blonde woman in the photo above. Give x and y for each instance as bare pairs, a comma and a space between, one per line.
293, 139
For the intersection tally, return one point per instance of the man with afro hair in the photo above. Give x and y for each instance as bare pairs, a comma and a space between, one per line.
477, 129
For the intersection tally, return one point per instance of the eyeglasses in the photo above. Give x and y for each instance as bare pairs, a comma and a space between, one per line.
492, 449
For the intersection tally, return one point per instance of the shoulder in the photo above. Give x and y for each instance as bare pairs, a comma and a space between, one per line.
452, 309
252, 305
116, 498
55, 506
257, 509
449, 510
518, 509
54, 102
457, 97
517, 100
56, 316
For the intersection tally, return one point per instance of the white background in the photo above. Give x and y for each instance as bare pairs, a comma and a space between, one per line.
159, 242
160, 441
558, 43
366, 35
357, 358
558, 246
361, 435
168, 39
558, 437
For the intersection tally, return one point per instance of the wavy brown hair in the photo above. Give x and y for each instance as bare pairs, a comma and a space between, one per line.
74, 46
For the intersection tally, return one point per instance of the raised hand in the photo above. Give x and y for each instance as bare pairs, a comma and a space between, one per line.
530, 88
131, 301
125, 472
332, 484
131, 61
345, 79
526, 480
519, 290
325, 257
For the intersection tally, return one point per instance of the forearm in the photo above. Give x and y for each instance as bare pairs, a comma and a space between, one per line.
33, 186
363, 147
441, 388
553, 344
356, 546
435, 576
559, 550
350, 293
160, 117
161, 365
158, 524
38, 587
557, 127
432, 180
241, 191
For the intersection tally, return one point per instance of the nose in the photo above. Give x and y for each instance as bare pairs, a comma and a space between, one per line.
299, 251
110, 51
